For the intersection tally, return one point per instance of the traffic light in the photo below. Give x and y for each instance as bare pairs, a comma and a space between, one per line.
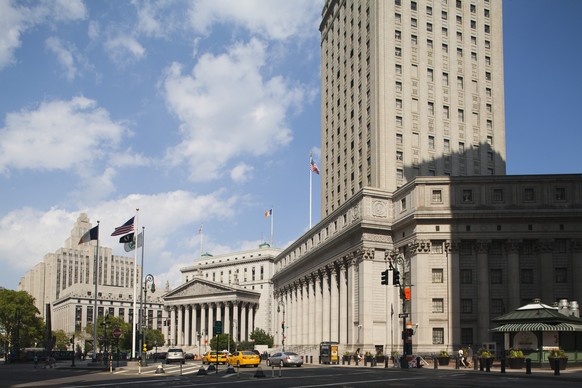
145, 348
395, 277
385, 277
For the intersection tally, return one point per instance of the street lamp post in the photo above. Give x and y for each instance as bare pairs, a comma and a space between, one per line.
396, 261
148, 278
105, 323
279, 305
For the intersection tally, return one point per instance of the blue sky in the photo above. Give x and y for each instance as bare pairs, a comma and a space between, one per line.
204, 112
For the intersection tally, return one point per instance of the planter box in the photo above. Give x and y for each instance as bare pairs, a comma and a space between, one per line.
560, 362
444, 361
516, 362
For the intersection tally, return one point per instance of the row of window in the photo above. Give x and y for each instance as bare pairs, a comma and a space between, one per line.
496, 276
529, 195
459, 5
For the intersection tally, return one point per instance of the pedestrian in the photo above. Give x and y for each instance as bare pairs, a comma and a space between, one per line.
470, 356
462, 357
35, 360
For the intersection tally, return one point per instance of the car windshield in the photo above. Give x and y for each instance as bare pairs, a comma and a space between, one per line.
175, 350
291, 354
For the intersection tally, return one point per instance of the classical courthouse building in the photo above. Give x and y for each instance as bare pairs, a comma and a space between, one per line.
233, 288
65, 280
413, 179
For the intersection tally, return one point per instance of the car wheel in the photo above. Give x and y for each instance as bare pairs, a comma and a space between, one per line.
256, 366
298, 365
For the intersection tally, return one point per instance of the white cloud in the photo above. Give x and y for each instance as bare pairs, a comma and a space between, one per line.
124, 49
26, 234
241, 173
64, 57
59, 135
273, 19
16, 19
227, 109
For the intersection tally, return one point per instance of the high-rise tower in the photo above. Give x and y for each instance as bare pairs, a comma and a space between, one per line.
409, 88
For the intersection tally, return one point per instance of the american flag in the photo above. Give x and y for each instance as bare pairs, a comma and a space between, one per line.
313, 167
124, 229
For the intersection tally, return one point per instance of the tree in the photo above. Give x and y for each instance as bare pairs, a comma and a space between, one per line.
63, 340
105, 333
221, 342
154, 338
262, 338
20, 319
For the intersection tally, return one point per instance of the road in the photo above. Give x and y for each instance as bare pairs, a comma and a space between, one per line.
24, 376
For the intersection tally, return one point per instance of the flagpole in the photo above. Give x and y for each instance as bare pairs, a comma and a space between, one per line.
310, 187
272, 215
95, 273
134, 284
141, 324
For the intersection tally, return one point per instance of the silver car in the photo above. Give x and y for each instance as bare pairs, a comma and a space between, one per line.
175, 355
285, 359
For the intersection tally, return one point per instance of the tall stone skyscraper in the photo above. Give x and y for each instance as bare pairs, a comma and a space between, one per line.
409, 88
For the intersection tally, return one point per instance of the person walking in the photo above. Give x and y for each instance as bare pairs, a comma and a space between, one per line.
35, 360
462, 357
469, 358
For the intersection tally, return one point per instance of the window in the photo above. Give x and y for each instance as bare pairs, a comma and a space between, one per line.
445, 112
460, 84
399, 173
399, 155
496, 276
487, 29
526, 276
431, 142
414, 40
488, 92
399, 121
398, 138
398, 18
429, 44
461, 115
397, 2
489, 108
488, 76
498, 195
431, 108
473, 24
560, 194
398, 103
437, 196
461, 147
459, 20
529, 194
473, 8
467, 196
428, 10
459, 4
437, 275
561, 275
438, 335
486, 13
487, 60
438, 305
398, 51
445, 48
399, 69
403, 203
445, 32
444, 15
446, 146
398, 86
430, 75
413, 5
397, 35
467, 336
445, 79
459, 36
497, 306
413, 22
466, 276
466, 306
487, 44
436, 246
429, 27
459, 53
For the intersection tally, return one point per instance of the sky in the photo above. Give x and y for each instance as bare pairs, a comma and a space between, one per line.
204, 113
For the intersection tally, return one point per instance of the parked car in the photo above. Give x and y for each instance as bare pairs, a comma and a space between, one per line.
189, 356
285, 359
175, 355
159, 355
244, 358
211, 356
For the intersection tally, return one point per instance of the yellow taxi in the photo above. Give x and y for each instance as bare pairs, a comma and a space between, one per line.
211, 356
244, 358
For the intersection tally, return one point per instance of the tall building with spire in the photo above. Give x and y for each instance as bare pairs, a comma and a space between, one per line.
409, 88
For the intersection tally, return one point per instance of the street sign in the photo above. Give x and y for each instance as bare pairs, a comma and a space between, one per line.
117, 332
405, 315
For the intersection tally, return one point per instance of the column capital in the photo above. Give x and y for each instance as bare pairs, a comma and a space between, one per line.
452, 246
482, 246
512, 246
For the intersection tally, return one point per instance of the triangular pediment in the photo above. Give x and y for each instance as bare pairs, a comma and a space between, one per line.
199, 287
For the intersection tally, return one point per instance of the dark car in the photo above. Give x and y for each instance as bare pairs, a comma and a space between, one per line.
285, 359
189, 356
